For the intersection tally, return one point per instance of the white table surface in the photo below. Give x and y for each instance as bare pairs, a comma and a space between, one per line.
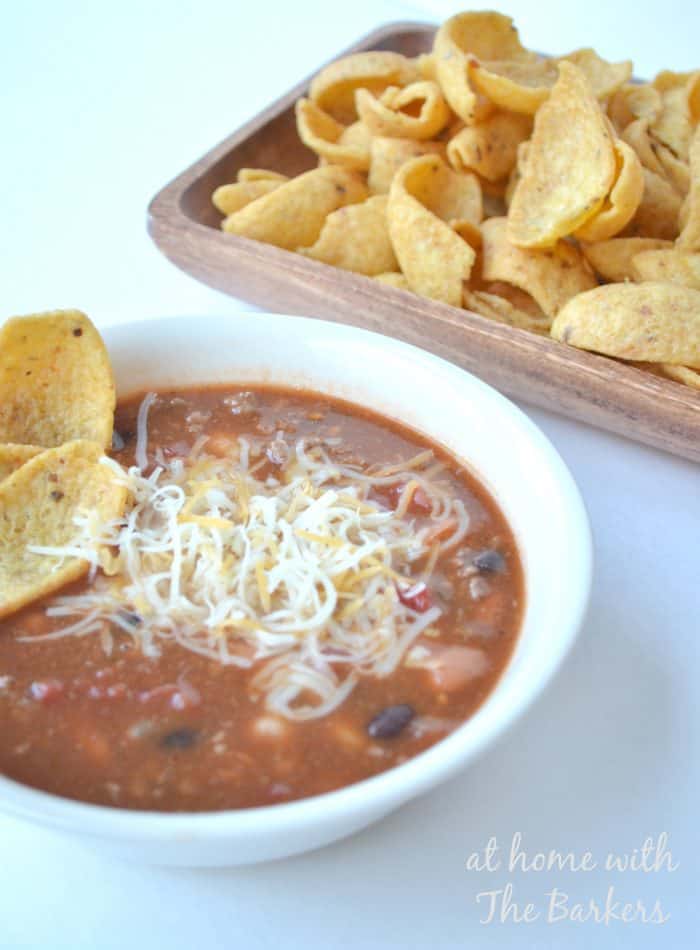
102, 104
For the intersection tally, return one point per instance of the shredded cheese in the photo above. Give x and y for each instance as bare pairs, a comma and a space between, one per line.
142, 431
294, 576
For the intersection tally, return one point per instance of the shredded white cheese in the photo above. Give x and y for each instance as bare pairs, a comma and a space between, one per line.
141, 455
296, 575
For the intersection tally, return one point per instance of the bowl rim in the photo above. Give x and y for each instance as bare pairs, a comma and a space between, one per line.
399, 783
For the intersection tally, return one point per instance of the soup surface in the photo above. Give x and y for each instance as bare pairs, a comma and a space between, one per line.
302, 594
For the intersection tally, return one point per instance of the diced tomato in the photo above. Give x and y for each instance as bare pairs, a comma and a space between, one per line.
420, 502
440, 530
46, 691
178, 449
389, 496
418, 597
181, 695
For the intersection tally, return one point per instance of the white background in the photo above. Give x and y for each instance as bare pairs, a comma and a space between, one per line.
101, 105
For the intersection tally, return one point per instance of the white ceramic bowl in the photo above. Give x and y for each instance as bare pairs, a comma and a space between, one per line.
509, 454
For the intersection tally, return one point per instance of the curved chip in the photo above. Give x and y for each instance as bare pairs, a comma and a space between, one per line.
231, 198
456, 125
515, 297
387, 155
651, 322
681, 374
673, 126
502, 310
259, 174
327, 138
358, 136
469, 230
519, 86
425, 64
570, 165
433, 257
293, 214
693, 91
454, 197
613, 259
460, 44
604, 78
637, 136
677, 173
658, 211
670, 265
524, 84
356, 238
689, 238
393, 279
644, 101
656, 156
552, 276
512, 184
12, 456
621, 204
56, 381
516, 172
416, 111
333, 89
632, 102
490, 148
450, 195
38, 505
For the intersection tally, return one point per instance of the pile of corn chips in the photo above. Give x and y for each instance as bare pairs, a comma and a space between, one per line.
57, 403
549, 194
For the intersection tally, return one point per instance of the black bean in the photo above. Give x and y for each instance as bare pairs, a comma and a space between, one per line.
492, 562
118, 442
391, 721
179, 739
131, 617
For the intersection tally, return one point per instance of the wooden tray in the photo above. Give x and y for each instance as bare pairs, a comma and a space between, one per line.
185, 226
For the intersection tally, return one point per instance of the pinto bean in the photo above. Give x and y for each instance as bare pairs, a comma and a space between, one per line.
452, 667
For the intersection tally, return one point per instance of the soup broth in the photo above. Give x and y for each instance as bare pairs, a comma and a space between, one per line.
376, 598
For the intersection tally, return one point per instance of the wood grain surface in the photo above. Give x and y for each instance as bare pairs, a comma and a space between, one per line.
594, 389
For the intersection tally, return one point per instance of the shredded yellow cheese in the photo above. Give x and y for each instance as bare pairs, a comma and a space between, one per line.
322, 539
